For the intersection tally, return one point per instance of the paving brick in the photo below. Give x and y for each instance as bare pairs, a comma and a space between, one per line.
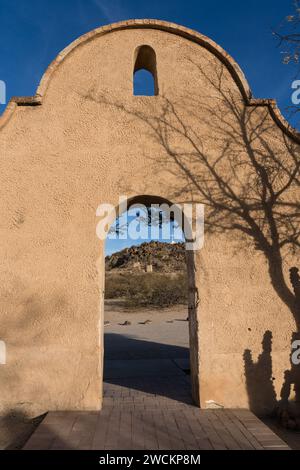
153, 413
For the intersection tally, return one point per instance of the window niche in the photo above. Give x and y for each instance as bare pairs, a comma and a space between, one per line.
145, 72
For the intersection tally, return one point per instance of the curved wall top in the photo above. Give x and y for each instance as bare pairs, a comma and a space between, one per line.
172, 28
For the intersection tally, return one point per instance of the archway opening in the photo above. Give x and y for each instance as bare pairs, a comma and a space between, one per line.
149, 302
145, 81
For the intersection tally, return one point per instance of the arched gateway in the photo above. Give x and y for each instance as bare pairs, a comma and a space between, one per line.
84, 139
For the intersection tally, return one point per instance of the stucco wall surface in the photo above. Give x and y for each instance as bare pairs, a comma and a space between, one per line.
88, 141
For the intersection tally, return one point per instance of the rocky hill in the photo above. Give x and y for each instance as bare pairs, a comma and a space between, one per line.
150, 256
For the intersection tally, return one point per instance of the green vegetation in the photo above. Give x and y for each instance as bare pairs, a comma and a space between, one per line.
147, 289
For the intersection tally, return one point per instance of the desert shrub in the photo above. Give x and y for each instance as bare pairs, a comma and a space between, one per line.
148, 289
116, 285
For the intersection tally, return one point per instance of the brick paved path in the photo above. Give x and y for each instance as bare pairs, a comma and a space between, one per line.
147, 401
153, 413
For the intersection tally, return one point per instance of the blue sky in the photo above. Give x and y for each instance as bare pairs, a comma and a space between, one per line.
134, 221
33, 32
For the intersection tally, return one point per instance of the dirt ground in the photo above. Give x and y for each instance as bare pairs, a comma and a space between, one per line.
116, 312
145, 334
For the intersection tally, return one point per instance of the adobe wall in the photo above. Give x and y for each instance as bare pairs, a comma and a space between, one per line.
85, 140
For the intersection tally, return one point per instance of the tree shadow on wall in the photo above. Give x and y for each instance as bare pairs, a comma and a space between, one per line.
219, 150
260, 381
259, 375
222, 150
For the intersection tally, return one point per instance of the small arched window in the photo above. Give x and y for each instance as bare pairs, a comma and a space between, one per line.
144, 72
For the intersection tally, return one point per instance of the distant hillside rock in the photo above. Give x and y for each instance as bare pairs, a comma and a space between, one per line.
152, 256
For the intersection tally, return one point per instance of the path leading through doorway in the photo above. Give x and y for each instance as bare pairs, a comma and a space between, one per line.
147, 399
